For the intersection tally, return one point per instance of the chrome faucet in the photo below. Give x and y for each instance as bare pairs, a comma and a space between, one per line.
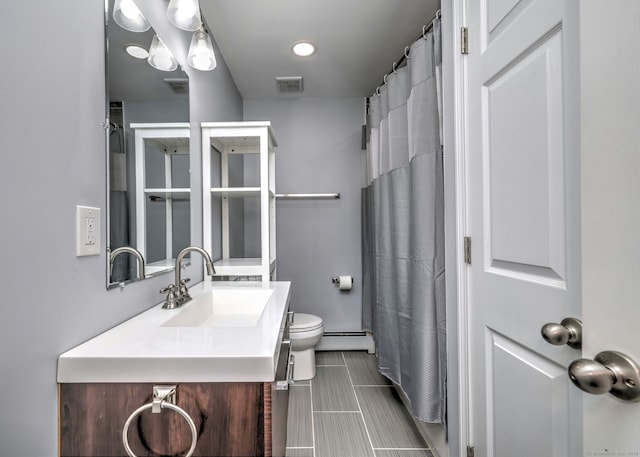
178, 294
116, 252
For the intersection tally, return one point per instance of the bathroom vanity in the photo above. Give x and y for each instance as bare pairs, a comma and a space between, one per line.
225, 354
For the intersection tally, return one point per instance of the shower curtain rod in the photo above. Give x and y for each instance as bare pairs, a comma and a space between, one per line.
425, 29
405, 55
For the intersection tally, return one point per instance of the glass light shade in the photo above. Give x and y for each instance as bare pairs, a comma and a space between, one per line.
303, 48
136, 51
128, 16
185, 14
160, 57
201, 55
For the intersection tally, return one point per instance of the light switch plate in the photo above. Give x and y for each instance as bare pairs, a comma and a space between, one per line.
87, 231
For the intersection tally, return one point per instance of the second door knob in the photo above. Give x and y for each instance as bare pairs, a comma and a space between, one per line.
568, 332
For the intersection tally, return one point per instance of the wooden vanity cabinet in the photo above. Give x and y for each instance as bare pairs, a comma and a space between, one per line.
232, 419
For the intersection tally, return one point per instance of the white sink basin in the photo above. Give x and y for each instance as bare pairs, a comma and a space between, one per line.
229, 332
228, 307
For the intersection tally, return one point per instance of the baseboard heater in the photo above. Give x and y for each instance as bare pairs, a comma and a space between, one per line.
347, 341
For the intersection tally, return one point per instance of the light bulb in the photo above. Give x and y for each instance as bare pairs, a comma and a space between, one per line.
160, 57
128, 16
185, 14
186, 10
201, 55
129, 9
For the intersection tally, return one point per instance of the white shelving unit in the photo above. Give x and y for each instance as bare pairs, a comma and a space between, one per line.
170, 139
227, 139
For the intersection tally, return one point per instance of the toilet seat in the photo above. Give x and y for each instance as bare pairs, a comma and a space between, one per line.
305, 323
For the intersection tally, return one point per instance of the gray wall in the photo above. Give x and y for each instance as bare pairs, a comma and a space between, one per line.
318, 152
53, 158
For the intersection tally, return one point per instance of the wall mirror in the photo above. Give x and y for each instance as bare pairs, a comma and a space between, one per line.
148, 184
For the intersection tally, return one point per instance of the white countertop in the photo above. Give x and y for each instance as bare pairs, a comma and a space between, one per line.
141, 349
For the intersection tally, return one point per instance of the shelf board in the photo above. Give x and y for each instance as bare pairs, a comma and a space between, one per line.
170, 145
163, 193
235, 191
240, 266
167, 190
239, 133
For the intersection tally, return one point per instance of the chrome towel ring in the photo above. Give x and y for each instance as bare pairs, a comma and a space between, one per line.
163, 397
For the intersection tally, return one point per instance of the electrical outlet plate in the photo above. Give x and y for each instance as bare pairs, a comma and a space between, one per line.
87, 231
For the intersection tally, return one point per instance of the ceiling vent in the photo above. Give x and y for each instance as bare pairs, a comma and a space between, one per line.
178, 85
289, 84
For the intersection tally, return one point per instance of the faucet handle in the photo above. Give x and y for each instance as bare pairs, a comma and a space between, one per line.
184, 292
170, 288
171, 301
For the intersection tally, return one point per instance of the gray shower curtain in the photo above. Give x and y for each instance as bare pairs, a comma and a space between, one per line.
403, 230
118, 204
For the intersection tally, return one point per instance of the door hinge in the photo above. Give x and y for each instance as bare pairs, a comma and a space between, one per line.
471, 452
464, 40
467, 250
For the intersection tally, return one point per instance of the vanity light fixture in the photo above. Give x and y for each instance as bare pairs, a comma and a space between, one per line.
128, 16
160, 57
201, 55
137, 51
303, 48
185, 14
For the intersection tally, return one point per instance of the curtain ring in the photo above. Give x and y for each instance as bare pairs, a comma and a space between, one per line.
385, 78
377, 92
406, 52
394, 67
424, 32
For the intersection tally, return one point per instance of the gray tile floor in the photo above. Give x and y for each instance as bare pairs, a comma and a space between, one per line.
350, 410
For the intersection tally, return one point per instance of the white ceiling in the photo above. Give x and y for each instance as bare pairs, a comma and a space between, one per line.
357, 41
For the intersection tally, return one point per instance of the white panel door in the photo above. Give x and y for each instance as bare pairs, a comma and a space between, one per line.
524, 222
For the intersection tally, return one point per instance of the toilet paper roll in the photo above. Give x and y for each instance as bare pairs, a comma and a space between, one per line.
345, 282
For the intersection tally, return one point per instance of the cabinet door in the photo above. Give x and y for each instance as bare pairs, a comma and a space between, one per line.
229, 418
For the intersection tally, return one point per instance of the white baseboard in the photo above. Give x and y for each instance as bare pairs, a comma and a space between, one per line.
346, 342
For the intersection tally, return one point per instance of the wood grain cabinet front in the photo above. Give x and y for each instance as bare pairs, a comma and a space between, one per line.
231, 419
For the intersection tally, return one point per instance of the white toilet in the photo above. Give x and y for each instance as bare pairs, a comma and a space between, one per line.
305, 332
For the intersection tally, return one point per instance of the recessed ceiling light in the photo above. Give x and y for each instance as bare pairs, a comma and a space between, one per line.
136, 51
303, 48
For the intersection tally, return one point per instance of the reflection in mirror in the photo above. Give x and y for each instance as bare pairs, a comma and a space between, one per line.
163, 190
148, 159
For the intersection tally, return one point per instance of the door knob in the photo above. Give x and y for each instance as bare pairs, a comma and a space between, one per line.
611, 372
568, 332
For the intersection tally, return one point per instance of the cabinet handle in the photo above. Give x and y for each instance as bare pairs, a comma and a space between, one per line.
284, 385
290, 368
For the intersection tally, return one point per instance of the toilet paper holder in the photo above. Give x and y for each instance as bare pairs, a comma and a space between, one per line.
343, 282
